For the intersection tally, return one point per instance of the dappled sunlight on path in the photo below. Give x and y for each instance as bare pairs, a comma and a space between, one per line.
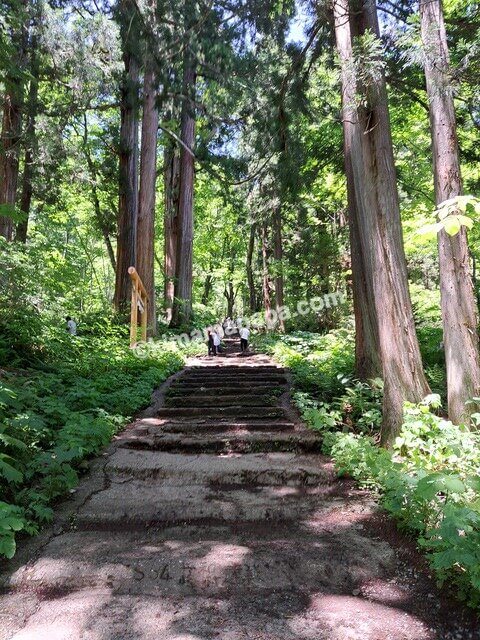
218, 518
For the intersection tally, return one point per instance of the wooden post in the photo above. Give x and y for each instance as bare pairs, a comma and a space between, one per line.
139, 303
144, 321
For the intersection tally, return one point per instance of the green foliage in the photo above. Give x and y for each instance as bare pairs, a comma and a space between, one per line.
52, 419
356, 409
453, 214
315, 360
429, 483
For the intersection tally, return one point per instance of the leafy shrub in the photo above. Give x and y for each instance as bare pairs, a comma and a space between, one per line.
315, 360
356, 409
52, 419
430, 484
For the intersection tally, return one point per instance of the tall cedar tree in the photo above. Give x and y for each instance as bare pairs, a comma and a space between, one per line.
459, 309
128, 155
171, 178
381, 259
12, 116
182, 306
30, 138
146, 201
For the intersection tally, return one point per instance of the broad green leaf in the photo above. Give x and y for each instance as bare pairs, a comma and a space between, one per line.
452, 225
8, 471
7, 545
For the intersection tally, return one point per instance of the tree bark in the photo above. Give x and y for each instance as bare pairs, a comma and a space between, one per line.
182, 306
267, 303
171, 178
30, 144
367, 353
230, 296
459, 309
12, 126
207, 289
252, 297
369, 150
128, 180
278, 256
146, 204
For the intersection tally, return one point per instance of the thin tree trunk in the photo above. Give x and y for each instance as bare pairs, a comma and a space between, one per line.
252, 298
171, 188
207, 289
267, 304
459, 309
278, 256
474, 278
30, 144
146, 204
182, 306
128, 181
230, 296
369, 150
99, 216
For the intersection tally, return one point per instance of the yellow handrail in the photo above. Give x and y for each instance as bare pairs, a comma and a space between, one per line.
139, 303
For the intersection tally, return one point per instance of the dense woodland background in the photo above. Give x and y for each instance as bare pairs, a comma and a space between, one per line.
243, 155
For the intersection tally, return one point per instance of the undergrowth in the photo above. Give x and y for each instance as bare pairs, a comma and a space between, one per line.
61, 411
429, 482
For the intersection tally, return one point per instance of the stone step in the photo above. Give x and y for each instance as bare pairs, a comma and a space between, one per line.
259, 469
232, 381
221, 387
137, 504
237, 412
198, 426
261, 614
227, 442
209, 399
228, 372
210, 561
240, 372
241, 367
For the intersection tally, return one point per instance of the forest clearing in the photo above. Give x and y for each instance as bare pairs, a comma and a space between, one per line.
239, 333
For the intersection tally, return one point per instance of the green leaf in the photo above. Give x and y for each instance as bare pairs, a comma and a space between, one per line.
430, 230
8, 471
10, 522
453, 484
7, 545
452, 225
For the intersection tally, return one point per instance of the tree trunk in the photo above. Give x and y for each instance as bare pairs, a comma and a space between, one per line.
252, 298
12, 127
182, 306
171, 178
278, 256
207, 289
128, 182
373, 186
146, 204
101, 220
267, 304
367, 355
30, 144
229, 294
459, 309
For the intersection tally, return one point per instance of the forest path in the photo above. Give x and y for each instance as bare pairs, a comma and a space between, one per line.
215, 516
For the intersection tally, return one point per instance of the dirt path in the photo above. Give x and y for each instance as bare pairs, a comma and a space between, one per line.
215, 516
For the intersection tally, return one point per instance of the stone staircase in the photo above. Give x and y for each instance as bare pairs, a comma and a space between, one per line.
215, 516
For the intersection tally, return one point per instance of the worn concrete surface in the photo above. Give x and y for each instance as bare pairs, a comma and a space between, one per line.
213, 516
